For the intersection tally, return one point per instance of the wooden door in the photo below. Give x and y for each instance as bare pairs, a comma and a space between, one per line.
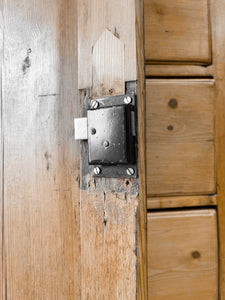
184, 57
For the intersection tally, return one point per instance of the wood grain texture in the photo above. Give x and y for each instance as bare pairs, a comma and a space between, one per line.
41, 212
187, 71
181, 201
172, 26
142, 288
218, 27
94, 17
182, 255
1, 160
113, 211
108, 66
180, 137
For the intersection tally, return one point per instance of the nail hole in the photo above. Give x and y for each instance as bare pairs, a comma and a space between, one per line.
173, 103
93, 131
170, 127
195, 254
127, 182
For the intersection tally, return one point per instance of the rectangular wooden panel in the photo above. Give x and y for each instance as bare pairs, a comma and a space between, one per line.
180, 137
182, 255
177, 31
41, 158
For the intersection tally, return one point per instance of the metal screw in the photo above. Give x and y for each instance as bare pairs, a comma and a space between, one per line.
106, 144
97, 170
94, 104
130, 171
127, 100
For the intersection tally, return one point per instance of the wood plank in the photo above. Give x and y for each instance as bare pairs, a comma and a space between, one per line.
113, 216
180, 137
182, 255
187, 71
218, 27
117, 16
2, 295
108, 76
181, 201
177, 31
41, 192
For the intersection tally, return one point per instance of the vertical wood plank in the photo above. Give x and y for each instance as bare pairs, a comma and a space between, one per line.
1, 157
94, 17
41, 159
113, 211
218, 39
108, 66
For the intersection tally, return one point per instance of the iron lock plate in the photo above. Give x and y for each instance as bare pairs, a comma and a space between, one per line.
111, 135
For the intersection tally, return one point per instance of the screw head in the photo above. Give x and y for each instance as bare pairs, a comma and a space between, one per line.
127, 100
106, 144
97, 170
94, 104
130, 171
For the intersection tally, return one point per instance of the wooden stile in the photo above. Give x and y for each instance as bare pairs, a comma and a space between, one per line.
1, 159
113, 211
41, 193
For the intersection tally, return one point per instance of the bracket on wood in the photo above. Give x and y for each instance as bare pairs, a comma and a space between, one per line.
110, 130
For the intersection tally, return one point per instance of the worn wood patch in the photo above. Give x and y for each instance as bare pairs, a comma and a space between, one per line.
108, 66
95, 16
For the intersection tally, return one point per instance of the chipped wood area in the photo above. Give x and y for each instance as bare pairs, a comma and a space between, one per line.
111, 221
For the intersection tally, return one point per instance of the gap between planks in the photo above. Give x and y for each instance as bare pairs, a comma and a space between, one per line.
181, 201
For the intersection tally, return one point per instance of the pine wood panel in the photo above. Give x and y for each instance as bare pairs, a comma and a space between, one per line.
1, 158
113, 211
41, 194
182, 255
94, 17
177, 31
180, 137
181, 201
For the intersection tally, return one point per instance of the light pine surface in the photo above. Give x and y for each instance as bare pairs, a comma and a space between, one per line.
41, 193
178, 31
1, 158
182, 255
95, 16
180, 137
113, 211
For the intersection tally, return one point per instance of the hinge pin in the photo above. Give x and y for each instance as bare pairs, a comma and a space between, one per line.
130, 171
94, 104
97, 170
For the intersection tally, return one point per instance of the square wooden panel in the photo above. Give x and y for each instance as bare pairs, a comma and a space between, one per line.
177, 31
180, 137
182, 255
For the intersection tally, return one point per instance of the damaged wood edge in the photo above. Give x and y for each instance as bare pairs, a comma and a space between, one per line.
142, 267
